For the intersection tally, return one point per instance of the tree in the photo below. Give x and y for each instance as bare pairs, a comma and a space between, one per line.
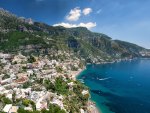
26, 84
44, 111
55, 109
33, 105
13, 97
61, 86
5, 76
31, 59
6, 100
21, 110
26, 102
49, 85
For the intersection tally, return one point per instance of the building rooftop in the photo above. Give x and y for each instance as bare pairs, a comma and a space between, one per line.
13, 109
7, 107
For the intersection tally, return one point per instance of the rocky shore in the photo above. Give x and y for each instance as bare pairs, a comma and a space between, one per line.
90, 105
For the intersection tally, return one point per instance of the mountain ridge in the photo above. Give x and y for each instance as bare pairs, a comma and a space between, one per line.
17, 33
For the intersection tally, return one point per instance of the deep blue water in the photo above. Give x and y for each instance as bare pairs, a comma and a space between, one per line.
122, 87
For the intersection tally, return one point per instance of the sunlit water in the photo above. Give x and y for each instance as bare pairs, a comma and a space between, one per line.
122, 87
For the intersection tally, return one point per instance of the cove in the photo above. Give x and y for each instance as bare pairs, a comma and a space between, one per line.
122, 87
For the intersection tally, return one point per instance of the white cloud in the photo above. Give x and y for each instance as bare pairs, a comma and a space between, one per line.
74, 14
87, 11
99, 11
88, 25
67, 25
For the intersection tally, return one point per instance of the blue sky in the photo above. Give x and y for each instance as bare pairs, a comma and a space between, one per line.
127, 20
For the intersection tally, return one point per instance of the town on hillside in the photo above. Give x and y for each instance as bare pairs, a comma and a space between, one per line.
42, 83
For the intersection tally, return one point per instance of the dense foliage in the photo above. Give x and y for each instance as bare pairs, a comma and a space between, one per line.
60, 86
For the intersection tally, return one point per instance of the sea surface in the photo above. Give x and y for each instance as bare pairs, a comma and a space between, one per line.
122, 87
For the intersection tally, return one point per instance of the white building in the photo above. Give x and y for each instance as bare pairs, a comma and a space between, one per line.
7, 108
10, 109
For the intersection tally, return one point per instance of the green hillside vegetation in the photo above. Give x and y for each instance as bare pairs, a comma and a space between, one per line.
16, 35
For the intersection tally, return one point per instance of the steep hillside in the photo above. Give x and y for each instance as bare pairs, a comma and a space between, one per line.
23, 35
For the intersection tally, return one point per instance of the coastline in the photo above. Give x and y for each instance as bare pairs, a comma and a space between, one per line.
74, 74
92, 108
123, 62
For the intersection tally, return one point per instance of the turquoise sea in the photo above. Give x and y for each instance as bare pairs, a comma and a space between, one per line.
122, 87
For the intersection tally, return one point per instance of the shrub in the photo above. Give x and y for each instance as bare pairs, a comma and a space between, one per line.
5, 76
26, 102
6, 100
31, 59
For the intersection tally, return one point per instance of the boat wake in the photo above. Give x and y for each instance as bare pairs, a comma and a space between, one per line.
104, 78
